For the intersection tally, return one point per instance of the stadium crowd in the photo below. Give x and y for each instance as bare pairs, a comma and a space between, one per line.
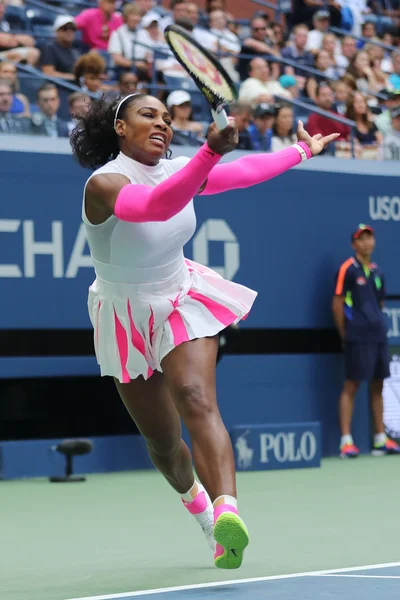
283, 70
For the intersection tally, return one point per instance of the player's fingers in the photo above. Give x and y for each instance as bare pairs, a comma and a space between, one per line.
317, 136
329, 138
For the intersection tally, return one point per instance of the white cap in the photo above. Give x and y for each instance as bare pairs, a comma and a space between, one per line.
62, 20
177, 98
150, 18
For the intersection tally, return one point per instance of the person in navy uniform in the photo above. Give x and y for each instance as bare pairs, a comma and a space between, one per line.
357, 310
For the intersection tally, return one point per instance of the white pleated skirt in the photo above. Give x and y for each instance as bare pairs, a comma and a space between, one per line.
137, 325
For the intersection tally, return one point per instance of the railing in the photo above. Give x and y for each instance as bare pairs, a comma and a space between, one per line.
45, 7
360, 38
28, 70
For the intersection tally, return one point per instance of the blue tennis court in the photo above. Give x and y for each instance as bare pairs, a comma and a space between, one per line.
360, 583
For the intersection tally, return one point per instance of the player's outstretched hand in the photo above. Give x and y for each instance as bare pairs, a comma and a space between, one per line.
222, 142
316, 143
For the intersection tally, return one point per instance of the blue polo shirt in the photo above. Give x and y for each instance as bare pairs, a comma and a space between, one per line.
363, 289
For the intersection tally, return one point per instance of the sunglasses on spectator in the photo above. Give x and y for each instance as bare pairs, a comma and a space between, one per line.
259, 28
67, 28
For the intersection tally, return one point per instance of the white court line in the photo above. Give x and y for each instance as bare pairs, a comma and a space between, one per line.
199, 586
362, 576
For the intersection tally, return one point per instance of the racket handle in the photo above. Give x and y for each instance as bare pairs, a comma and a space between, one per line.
220, 118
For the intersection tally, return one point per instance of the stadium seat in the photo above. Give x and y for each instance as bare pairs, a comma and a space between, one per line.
29, 85
16, 17
38, 16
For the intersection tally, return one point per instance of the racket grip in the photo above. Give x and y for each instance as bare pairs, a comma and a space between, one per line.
220, 118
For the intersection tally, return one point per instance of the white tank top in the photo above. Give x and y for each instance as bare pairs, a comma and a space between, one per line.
140, 252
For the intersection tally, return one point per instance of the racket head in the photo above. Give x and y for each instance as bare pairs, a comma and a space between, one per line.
206, 71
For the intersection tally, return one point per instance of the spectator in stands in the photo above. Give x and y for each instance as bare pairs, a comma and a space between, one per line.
20, 104
242, 115
168, 65
304, 10
89, 73
214, 5
257, 43
259, 87
178, 12
391, 103
283, 131
297, 52
319, 123
179, 104
225, 41
261, 129
147, 9
322, 65
10, 123
193, 13
337, 63
79, 105
368, 32
97, 24
347, 53
342, 91
391, 141
46, 121
128, 83
394, 79
59, 55
125, 45
202, 35
315, 36
16, 46
278, 37
366, 131
360, 69
381, 78
357, 310
289, 83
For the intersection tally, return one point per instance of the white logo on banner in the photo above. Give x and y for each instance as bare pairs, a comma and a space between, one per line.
53, 248
284, 447
245, 454
384, 208
393, 315
217, 230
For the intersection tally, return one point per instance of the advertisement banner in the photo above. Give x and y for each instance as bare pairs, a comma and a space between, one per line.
271, 447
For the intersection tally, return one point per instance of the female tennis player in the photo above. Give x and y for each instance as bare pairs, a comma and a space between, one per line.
155, 314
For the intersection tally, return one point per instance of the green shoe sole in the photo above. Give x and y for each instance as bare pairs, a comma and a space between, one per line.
231, 533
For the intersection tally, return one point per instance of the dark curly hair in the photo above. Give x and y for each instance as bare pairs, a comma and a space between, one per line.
94, 141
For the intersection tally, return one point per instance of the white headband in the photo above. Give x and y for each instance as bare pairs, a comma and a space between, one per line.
121, 103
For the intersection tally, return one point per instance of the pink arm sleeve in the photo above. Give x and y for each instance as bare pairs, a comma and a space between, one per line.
142, 203
254, 168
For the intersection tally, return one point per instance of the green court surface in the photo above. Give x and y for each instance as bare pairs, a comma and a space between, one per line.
124, 532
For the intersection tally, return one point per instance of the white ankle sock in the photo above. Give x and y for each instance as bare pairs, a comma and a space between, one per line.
191, 494
380, 438
346, 439
225, 500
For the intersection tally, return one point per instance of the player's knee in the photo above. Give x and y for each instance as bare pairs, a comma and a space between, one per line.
351, 387
194, 402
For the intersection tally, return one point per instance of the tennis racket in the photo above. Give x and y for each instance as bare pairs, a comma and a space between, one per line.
205, 70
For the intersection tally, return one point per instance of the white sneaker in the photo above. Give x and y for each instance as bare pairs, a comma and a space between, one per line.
203, 511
